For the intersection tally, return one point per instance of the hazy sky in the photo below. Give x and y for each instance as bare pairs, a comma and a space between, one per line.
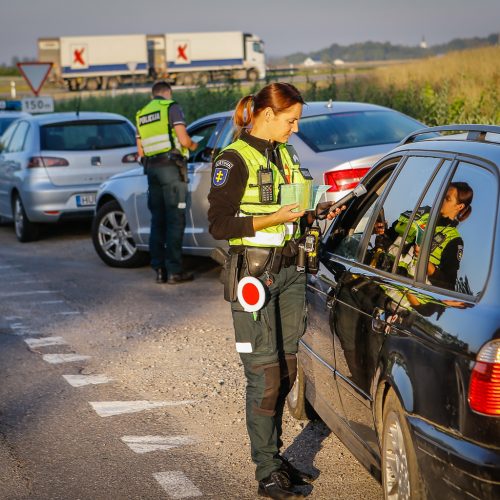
286, 26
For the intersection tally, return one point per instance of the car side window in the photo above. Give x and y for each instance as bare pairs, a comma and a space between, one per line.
346, 236
201, 135
6, 137
18, 140
394, 219
460, 252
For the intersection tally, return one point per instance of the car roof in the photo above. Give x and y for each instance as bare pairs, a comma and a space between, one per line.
49, 118
319, 108
487, 148
14, 114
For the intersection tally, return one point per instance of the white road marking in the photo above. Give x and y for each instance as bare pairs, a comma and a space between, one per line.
110, 408
81, 380
33, 292
10, 318
64, 358
45, 341
29, 281
17, 326
51, 302
67, 313
9, 267
177, 485
145, 444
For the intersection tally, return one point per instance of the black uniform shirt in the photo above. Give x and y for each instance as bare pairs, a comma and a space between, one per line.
226, 193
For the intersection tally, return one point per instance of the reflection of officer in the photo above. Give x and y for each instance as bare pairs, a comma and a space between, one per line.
164, 142
245, 209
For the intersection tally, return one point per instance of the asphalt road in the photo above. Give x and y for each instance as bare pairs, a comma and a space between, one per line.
153, 409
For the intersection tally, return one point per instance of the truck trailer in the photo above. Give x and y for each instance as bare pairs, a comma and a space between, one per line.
108, 61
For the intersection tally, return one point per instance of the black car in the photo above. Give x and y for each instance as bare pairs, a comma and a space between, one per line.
401, 357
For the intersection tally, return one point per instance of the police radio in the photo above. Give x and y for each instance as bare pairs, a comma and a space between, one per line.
265, 184
308, 251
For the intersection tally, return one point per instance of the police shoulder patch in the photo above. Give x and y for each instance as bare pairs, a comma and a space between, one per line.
460, 252
220, 176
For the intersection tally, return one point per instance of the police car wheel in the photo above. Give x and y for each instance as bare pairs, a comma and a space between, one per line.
298, 406
113, 240
25, 229
400, 475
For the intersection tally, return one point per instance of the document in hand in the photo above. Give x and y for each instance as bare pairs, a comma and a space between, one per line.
306, 195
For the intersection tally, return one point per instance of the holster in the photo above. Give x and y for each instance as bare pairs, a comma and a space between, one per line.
258, 260
232, 268
181, 163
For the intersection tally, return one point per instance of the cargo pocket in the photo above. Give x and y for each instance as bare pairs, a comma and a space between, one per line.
252, 332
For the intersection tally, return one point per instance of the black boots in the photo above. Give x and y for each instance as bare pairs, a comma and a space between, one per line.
277, 485
161, 275
174, 279
297, 477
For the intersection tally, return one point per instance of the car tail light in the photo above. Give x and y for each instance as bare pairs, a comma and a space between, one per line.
340, 180
130, 158
47, 161
484, 388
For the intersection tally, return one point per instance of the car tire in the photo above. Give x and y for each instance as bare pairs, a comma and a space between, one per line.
298, 406
113, 239
400, 475
25, 229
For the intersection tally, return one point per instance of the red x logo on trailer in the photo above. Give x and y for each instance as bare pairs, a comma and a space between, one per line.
78, 56
181, 52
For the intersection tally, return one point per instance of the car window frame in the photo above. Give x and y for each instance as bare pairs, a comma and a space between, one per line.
212, 140
13, 125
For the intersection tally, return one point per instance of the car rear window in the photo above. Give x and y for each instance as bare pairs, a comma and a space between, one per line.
355, 129
87, 135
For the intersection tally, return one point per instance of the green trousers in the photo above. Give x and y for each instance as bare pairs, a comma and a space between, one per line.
267, 343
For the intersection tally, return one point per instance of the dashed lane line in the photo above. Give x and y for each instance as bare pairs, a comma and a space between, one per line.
51, 302
111, 408
45, 341
146, 444
82, 380
67, 313
31, 292
64, 358
177, 485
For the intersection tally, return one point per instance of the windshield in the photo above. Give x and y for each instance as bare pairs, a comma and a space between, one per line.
355, 129
89, 135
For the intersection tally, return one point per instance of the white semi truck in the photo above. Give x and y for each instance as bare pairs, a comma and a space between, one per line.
104, 62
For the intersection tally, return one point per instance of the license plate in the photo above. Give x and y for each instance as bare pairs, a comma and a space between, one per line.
85, 200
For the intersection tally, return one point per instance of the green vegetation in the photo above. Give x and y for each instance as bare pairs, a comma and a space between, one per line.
461, 87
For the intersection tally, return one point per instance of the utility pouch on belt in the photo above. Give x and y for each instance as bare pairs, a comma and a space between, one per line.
181, 162
257, 260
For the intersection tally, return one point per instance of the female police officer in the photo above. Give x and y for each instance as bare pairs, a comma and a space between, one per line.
262, 234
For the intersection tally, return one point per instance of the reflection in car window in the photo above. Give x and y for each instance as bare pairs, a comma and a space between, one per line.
345, 239
355, 129
460, 253
227, 136
16, 144
87, 135
396, 213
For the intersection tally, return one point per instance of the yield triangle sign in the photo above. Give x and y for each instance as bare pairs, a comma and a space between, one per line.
35, 73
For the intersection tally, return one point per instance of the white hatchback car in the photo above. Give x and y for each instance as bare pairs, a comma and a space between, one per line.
52, 165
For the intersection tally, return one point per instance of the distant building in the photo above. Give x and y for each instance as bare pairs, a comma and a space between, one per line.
423, 44
310, 62
338, 62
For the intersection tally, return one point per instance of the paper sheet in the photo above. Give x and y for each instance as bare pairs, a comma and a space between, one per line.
306, 195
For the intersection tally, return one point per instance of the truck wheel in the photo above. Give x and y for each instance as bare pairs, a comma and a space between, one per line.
113, 240
113, 83
298, 406
92, 84
25, 229
188, 79
400, 475
252, 75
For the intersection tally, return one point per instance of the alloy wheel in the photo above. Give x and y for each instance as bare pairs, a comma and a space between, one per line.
396, 469
115, 237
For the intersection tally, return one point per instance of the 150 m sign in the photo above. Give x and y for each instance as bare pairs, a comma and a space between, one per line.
38, 104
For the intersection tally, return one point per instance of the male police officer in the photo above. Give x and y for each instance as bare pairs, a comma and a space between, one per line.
163, 142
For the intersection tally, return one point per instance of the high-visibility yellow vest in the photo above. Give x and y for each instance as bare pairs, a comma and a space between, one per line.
157, 135
274, 236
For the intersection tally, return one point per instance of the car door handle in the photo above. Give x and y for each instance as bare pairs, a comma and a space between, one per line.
378, 320
96, 161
